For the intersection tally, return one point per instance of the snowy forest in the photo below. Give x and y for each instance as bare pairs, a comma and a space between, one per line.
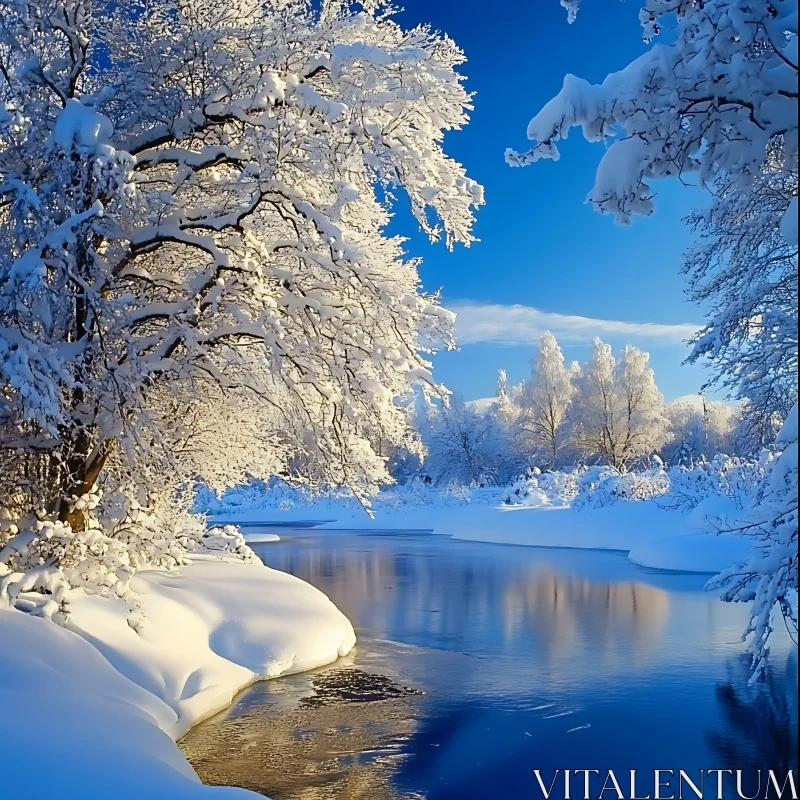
607, 411
201, 305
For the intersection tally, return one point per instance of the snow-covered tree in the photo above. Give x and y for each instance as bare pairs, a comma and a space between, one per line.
745, 269
189, 189
717, 102
719, 98
505, 405
465, 445
192, 203
687, 444
754, 430
618, 412
699, 430
768, 577
720, 421
547, 398
508, 411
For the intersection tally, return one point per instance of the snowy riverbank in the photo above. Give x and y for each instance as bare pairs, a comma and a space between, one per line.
652, 536
94, 710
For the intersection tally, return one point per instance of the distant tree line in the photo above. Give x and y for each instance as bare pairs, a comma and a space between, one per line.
607, 411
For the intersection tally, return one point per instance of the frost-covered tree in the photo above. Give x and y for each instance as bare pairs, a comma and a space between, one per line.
720, 422
547, 398
754, 430
193, 196
699, 430
687, 443
718, 101
745, 269
509, 411
190, 198
719, 98
465, 445
618, 412
768, 577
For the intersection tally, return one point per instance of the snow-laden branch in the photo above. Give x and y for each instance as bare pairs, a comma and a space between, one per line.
193, 228
714, 100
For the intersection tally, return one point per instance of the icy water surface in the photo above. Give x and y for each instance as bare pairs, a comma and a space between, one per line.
478, 663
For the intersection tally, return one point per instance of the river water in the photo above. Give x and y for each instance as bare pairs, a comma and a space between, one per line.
478, 663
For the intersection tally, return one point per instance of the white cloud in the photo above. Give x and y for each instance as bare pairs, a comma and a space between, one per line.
517, 324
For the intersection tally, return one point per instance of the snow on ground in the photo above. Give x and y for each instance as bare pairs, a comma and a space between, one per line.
203, 634
261, 537
91, 712
652, 536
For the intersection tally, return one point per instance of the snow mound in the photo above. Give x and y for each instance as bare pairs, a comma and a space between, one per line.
74, 727
106, 697
652, 537
200, 636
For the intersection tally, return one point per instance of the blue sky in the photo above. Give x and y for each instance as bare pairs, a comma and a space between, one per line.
541, 246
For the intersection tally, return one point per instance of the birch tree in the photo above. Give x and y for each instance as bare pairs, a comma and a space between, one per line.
547, 399
618, 412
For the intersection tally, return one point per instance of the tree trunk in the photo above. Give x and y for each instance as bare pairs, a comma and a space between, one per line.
83, 470
80, 472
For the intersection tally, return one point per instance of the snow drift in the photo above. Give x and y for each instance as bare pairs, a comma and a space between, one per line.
104, 700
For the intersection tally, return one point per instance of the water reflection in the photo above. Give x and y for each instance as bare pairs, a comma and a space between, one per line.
565, 611
527, 658
760, 722
401, 585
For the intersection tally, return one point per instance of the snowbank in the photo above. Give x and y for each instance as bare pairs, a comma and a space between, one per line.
652, 536
206, 632
260, 538
92, 711
662, 519
73, 727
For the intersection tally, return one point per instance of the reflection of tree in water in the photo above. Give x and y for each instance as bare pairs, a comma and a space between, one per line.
760, 722
569, 613
543, 602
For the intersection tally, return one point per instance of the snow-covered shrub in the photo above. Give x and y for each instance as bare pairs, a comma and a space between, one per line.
271, 495
276, 495
226, 540
152, 543
45, 559
536, 488
734, 478
560, 486
419, 492
42, 561
590, 481
525, 491
603, 486
8, 525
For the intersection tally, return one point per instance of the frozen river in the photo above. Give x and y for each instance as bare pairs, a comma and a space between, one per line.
478, 663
